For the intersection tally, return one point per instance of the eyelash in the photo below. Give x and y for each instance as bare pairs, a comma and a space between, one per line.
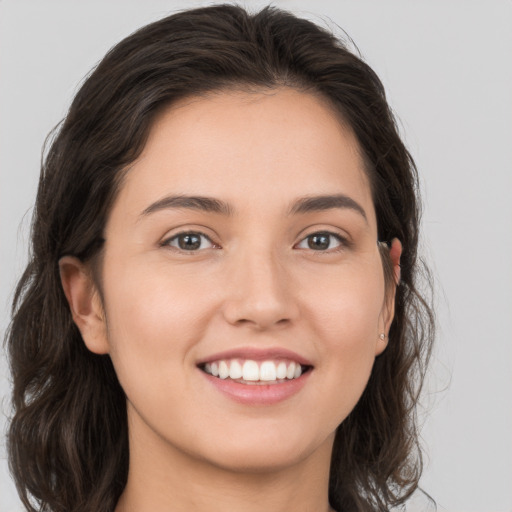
343, 243
168, 242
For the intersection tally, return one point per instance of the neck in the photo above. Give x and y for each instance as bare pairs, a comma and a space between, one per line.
169, 480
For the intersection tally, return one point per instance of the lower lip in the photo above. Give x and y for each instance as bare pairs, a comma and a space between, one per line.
258, 394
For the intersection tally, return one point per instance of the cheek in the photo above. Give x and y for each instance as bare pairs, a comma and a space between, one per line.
154, 318
349, 301
346, 312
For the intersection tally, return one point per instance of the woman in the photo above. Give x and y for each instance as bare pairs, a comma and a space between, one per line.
221, 309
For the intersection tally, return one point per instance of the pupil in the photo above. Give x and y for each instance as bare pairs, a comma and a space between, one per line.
189, 242
318, 242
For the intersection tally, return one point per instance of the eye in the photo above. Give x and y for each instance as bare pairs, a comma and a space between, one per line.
322, 241
189, 241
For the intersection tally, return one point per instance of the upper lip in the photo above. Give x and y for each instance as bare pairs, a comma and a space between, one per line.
256, 354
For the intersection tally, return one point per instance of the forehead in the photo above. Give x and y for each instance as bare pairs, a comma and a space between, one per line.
245, 148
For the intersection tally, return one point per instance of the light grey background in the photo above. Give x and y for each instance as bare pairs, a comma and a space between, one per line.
447, 69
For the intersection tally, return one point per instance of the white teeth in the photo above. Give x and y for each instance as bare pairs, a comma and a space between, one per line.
281, 370
268, 371
252, 371
290, 372
235, 371
223, 370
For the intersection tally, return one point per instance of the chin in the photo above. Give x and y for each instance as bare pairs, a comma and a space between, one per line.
258, 461
267, 453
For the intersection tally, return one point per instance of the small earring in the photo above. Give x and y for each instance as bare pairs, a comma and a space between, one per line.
382, 336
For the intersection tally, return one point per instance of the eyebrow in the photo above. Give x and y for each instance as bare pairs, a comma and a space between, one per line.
326, 202
209, 204
201, 203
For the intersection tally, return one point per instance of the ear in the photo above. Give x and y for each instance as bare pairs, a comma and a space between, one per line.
388, 309
85, 303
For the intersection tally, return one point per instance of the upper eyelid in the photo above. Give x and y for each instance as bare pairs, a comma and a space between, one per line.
342, 236
180, 230
324, 232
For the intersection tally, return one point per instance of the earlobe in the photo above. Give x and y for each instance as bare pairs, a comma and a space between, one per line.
85, 303
382, 343
388, 311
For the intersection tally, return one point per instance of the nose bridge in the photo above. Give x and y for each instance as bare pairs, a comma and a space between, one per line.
259, 288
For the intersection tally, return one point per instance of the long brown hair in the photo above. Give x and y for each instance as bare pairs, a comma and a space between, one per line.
68, 444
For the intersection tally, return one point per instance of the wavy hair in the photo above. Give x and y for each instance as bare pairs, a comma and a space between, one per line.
68, 439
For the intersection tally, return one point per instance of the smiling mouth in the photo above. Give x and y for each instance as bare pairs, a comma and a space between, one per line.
248, 371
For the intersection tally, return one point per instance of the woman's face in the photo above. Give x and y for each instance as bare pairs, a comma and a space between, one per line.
243, 241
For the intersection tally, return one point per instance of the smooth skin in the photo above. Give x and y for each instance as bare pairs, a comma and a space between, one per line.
254, 274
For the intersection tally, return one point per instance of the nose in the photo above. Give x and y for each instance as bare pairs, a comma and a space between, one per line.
259, 292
